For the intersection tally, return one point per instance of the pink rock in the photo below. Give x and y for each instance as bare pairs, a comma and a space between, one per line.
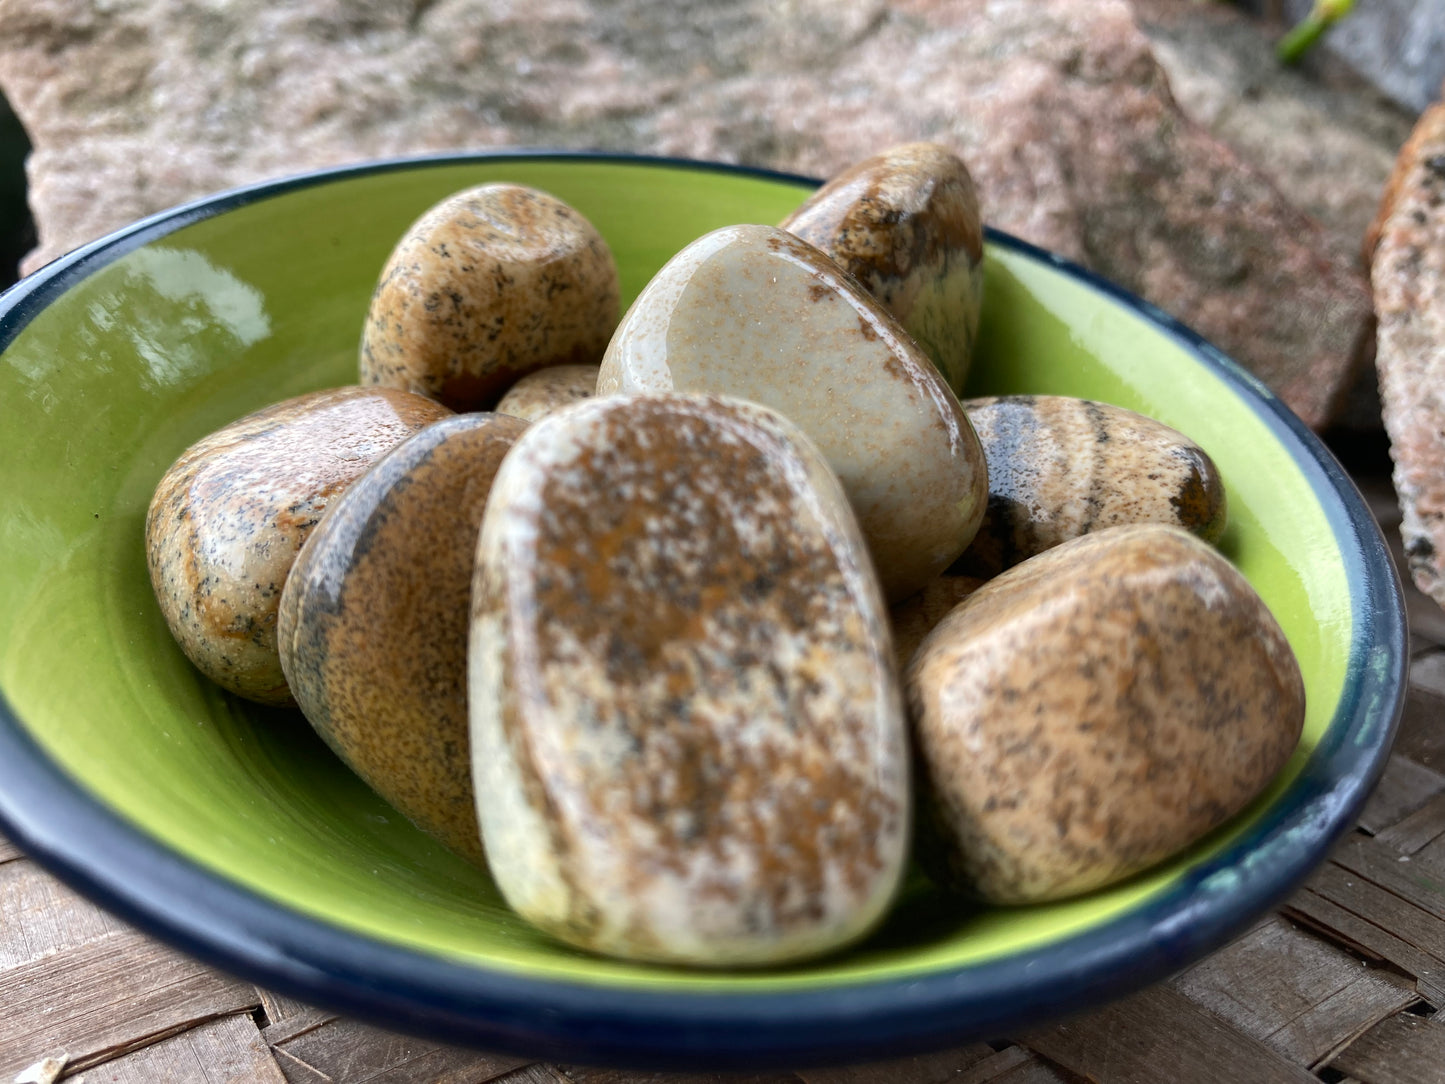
1408, 275
1058, 107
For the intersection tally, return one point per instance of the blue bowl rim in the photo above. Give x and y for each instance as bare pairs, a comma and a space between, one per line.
69, 832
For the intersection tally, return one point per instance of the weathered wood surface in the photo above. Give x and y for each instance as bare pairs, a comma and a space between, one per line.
1343, 984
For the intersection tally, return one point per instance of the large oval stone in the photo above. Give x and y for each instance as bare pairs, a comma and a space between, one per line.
374, 617
905, 223
755, 313
1060, 467
230, 515
1096, 709
687, 734
492, 283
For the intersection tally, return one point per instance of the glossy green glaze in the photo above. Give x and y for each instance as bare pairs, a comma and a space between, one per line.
177, 337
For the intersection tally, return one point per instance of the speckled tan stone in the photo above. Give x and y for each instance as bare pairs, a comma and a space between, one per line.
688, 735
916, 616
374, 616
1061, 467
905, 223
1094, 710
490, 284
230, 514
754, 312
549, 390
1407, 273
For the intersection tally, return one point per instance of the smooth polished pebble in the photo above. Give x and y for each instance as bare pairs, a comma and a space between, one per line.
1095, 710
1060, 467
230, 515
687, 732
753, 312
374, 617
490, 284
549, 390
905, 223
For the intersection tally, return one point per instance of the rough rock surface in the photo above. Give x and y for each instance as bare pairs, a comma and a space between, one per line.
1325, 137
1058, 106
1408, 275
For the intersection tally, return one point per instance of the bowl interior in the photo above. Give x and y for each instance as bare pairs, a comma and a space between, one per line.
157, 341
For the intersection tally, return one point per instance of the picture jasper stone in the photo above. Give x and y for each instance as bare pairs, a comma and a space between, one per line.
687, 733
905, 223
549, 390
374, 617
489, 285
1095, 710
753, 312
230, 514
1061, 467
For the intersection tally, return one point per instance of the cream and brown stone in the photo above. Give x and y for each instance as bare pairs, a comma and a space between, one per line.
754, 312
374, 616
1061, 467
490, 284
687, 732
549, 390
1407, 272
905, 223
229, 516
1095, 710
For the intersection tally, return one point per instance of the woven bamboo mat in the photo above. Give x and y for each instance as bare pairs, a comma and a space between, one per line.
1342, 984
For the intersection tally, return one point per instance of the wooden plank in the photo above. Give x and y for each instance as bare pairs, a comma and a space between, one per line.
224, 1051
1298, 994
998, 1065
1422, 737
1364, 938
106, 997
279, 1007
1404, 788
1381, 906
1413, 881
578, 1074
1037, 1071
1159, 1034
1418, 830
283, 1031
8, 851
1405, 1049
1427, 674
940, 1068
317, 1046
534, 1074
39, 916
1012, 1065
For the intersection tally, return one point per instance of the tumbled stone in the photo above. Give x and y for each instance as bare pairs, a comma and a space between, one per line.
1408, 274
905, 224
487, 286
374, 617
549, 390
1060, 467
687, 733
1095, 710
229, 516
756, 313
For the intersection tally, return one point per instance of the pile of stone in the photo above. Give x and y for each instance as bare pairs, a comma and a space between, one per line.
1157, 143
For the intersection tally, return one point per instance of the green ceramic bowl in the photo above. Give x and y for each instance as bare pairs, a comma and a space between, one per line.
231, 831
